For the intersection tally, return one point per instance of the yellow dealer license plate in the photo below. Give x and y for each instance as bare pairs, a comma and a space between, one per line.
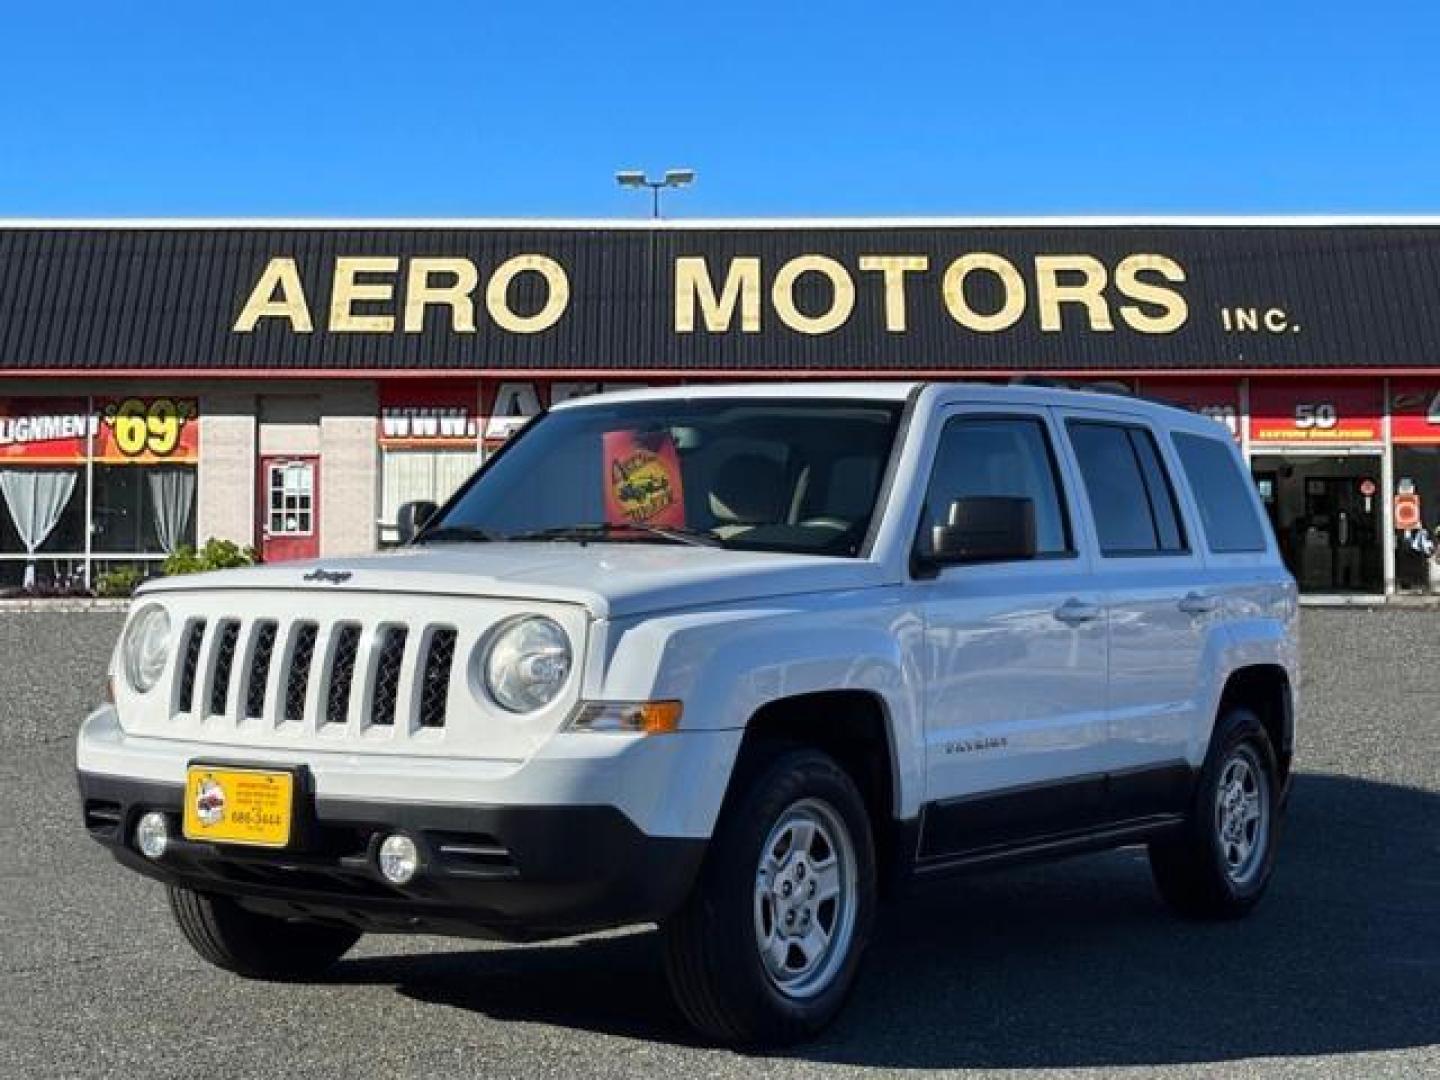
239, 806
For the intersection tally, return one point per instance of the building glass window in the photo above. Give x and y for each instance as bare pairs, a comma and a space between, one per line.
1417, 476
42, 540
88, 483
408, 475
143, 509
290, 489
430, 441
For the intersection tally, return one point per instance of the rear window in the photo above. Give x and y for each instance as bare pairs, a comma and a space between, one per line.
1222, 491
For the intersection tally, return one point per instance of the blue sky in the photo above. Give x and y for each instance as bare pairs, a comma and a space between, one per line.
357, 108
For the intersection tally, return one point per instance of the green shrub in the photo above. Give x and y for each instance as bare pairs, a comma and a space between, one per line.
118, 583
214, 555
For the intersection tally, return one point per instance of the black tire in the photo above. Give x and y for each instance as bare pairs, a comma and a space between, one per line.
257, 946
1194, 870
712, 945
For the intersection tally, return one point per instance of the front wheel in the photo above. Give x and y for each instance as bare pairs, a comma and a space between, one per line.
256, 946
767, 947
1218, 866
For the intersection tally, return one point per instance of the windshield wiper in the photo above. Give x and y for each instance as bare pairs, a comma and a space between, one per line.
455, 534
609, 530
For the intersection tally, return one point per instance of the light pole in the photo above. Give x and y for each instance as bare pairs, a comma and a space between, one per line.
673, 178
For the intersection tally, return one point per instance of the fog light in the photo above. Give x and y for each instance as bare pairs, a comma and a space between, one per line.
399, 859
152, 835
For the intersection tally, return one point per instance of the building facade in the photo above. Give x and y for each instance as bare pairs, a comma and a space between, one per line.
290, 384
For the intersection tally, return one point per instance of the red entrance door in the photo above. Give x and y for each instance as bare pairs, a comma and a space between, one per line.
289, 511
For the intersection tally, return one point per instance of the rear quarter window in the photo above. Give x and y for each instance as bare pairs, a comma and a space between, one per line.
1222, 492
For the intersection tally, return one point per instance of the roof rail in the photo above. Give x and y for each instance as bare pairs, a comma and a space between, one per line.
1097, 386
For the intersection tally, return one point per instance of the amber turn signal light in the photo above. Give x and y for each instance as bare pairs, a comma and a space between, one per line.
637, 717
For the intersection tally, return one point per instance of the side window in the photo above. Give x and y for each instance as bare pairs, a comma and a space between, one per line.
1130, 495
999, 456
1227, 511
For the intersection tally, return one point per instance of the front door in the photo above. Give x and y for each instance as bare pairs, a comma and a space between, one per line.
1326, 513
289, 511
1014, 652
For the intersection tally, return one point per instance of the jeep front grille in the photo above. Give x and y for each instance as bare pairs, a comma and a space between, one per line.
401, 679
284, 673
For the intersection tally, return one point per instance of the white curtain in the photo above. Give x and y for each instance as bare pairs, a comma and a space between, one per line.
36, 498
172, 495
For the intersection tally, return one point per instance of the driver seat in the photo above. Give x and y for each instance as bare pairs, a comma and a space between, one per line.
747, 490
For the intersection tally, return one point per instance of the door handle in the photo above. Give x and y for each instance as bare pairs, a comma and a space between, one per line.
1074, 612
1199, 604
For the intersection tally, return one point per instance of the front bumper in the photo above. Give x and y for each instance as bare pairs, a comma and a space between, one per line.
515, 872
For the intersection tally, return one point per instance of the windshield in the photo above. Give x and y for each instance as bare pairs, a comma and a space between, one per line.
766, 475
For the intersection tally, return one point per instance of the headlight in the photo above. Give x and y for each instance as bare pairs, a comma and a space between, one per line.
526, 663
146, 647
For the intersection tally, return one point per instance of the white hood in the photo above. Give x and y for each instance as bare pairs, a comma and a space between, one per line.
611, 580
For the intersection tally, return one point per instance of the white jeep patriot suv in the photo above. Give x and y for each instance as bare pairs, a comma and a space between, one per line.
735, 660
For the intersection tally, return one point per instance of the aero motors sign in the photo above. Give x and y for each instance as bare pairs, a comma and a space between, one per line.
1315, 412
546, 300
981, 291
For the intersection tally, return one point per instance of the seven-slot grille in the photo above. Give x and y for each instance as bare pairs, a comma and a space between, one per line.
260, 670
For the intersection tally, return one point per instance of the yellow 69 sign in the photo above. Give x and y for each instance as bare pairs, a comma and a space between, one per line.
149, 428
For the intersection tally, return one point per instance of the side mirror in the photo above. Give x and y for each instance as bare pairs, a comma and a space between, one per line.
985, 529
412, 517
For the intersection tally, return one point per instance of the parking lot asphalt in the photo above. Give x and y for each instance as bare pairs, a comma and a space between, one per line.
1046, 971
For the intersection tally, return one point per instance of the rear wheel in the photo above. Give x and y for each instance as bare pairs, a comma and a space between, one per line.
767, 947
257, 946
1220, 863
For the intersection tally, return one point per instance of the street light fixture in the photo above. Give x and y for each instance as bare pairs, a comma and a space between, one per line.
673, 178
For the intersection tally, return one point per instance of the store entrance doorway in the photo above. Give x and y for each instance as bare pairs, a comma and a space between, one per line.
289, 508
1326, 514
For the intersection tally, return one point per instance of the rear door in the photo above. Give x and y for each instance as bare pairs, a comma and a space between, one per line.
1014, 657
1152, 580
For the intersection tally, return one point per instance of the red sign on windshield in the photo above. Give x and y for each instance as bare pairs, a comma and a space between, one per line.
642, 479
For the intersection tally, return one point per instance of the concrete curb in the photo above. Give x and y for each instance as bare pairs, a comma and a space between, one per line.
61, 605
1373, 603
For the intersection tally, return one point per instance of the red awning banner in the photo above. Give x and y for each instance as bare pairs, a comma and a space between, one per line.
45, 431
1415, 411
1314, 411
118, 431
